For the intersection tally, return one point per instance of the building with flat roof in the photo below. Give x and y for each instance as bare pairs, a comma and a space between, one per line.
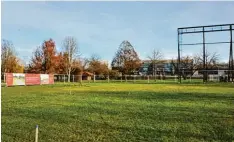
161, 67
165, 67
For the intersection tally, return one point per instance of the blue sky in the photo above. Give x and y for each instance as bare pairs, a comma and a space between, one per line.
100, 27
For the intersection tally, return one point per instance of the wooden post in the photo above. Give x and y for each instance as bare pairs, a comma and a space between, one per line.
108, 79
36, 137
64, 79
73, 78
81, 78
148, 79
4, 78
94, 78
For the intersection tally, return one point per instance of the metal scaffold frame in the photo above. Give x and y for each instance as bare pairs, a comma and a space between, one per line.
203, 30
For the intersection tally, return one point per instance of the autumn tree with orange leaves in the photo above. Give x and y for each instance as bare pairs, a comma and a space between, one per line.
60, 63
49, 52
44, 58
96, 66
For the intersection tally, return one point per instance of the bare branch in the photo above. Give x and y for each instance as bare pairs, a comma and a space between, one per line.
70, 48
156, 55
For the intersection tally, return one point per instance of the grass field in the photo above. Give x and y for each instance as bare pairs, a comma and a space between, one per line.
119, 112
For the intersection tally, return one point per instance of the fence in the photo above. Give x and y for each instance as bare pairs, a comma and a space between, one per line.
108, 79
137, 79
195, 78
209, 75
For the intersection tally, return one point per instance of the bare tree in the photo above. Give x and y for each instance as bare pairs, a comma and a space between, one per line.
7, 49
70, 48
9, 60
95, 57
188, 65
211, 60
155, 58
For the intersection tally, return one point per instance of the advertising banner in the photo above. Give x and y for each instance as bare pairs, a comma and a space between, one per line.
51, 79
32, 79
44, 78
18, 79
9, 79
28, 79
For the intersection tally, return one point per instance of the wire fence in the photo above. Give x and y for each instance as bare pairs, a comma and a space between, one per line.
138, 79
109, 79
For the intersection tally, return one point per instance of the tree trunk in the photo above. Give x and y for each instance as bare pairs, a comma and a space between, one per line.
69, 74
80, 77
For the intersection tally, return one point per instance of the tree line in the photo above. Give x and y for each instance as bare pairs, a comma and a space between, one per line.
46, 59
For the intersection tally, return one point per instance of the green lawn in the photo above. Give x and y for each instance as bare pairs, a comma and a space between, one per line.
119, 112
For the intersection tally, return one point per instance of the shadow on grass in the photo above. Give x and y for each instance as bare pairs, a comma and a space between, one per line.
134, 122
128, 116
153, 96
171, 133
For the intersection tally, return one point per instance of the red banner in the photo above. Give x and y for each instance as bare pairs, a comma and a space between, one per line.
28, 79
9, 79
32, 79
51, 79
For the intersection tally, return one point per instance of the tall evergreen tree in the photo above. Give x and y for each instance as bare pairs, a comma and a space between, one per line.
126, 59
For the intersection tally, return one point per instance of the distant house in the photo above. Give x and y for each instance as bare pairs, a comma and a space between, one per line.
87, 75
